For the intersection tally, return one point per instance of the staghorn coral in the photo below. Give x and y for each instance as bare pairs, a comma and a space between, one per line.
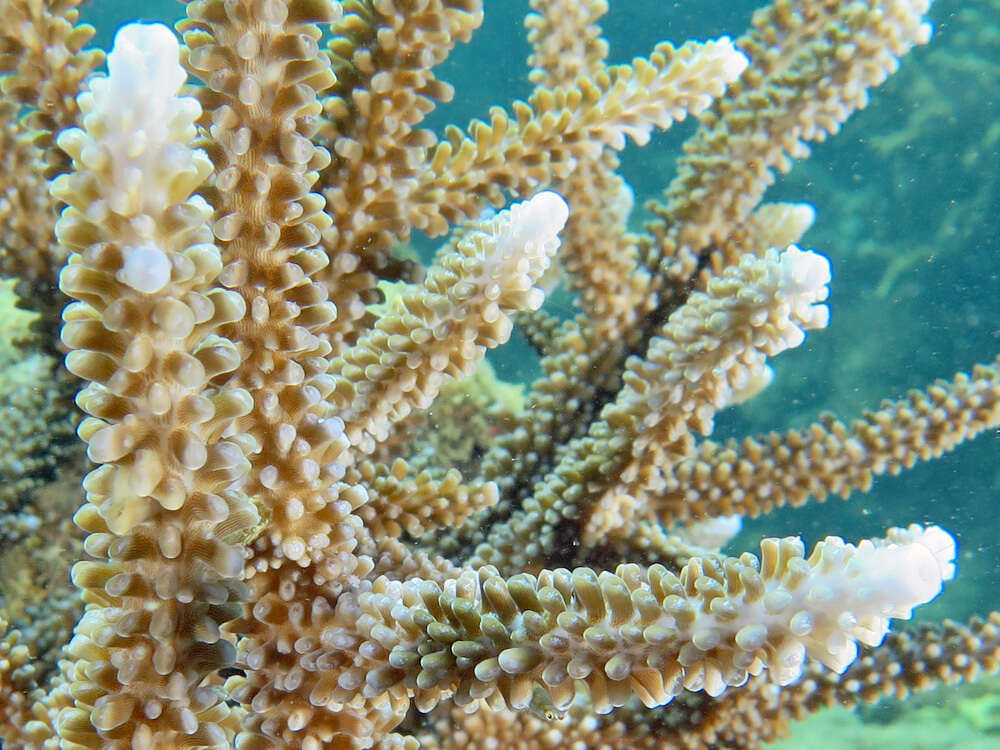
264, 568
948, 653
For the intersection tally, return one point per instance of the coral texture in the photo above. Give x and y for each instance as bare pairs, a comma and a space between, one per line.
277, 555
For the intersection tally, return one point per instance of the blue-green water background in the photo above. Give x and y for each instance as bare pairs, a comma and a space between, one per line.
908, 199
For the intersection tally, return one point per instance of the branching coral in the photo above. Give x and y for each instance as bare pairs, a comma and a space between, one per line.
264, 568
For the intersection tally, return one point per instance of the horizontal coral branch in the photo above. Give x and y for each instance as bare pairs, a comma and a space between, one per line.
645, 631
756, 475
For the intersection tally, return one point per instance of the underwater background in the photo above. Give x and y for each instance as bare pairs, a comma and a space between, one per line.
908, 210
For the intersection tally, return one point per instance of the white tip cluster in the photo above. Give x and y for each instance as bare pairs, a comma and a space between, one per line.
805, 272
805, 276
526, 238
733, 61
867, 584
137, 128
820, 607
143, 63
537, 221
135, 140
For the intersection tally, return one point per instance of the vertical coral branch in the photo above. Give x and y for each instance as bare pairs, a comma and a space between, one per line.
160, 505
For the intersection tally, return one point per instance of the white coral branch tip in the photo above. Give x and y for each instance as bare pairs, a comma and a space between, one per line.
805, 276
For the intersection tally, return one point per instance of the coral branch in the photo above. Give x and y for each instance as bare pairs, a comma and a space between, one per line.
648, 632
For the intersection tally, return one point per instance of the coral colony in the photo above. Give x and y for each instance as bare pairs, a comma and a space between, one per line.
277, 551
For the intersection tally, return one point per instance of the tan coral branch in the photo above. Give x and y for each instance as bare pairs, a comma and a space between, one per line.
756, 475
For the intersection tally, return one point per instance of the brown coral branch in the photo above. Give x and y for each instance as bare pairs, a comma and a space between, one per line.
756, 475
